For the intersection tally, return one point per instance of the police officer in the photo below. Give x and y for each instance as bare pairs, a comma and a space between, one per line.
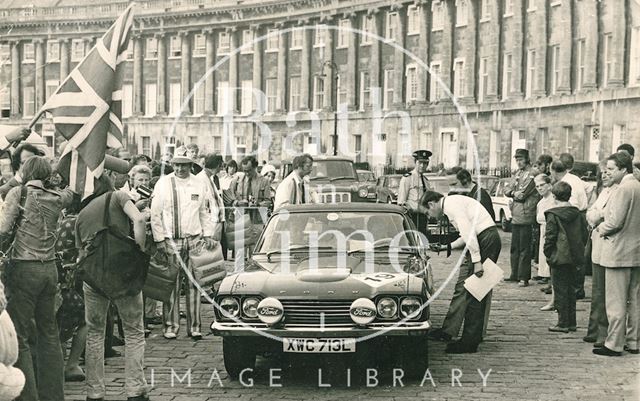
413, 186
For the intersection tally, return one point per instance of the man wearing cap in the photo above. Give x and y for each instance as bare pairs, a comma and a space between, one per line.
180, 219
413, 186
523, 212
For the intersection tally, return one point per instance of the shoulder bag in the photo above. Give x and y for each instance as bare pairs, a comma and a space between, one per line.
113, 264
6, 243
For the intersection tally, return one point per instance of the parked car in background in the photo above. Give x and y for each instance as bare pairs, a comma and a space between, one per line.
387, 188
335, 180
319, 295
501, 203
366, 176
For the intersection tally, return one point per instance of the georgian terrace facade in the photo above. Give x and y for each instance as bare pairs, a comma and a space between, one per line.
548, 75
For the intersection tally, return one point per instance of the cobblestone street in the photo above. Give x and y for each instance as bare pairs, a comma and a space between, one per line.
525, 360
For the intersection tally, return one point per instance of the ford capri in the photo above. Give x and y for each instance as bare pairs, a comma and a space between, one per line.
350, 279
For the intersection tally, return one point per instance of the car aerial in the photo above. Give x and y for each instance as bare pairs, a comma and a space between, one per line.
335, 180
387, 188
502, 203
322, 278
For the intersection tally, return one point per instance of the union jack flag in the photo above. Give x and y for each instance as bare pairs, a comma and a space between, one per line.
87, 107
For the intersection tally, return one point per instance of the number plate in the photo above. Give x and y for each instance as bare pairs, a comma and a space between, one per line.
319, 345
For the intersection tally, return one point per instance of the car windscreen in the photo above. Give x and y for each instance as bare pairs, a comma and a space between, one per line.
394, 182
332, 169
335, 231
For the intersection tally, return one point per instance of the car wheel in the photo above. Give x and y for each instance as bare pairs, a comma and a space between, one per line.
412, 354
238, 356
504, 223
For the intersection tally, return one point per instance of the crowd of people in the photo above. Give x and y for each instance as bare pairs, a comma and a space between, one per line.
181, 202
558, 229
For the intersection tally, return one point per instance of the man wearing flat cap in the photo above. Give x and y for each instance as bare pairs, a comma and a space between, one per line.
523, 212
413, 186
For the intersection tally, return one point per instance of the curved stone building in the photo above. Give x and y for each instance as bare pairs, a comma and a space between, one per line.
548, 75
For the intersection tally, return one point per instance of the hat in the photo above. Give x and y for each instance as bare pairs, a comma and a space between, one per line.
422, 154
267, 168
181, 156
524, 153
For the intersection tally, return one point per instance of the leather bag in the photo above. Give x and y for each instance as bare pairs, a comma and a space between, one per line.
112, 263
161, 278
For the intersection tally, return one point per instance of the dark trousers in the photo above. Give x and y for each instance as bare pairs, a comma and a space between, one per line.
420, 220
535, 242
32, 287
490, 247
578, 282
521, 239
563, 278
598, 322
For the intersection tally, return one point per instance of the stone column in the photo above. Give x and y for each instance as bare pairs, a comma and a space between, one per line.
40, 88
470, 66
162, 74
517, 51
16, 107
329, 68
616, 76
423, 51
591, 45
305, 68
138, 84
233, 69
185, 71
398, 56
540, 88
566, 43
493, 66
210, 61
65, 58
88, 44
281, 92
352, 65
257, 62
374, 72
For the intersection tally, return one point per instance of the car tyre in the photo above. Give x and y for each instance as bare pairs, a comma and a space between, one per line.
504, 223
238, 356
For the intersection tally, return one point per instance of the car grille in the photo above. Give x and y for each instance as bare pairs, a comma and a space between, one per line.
335, 197
317, 313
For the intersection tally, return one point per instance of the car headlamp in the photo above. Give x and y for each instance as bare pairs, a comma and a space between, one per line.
250, 307
270, 311
410, 307
362, 311
387, 308
363, 192
230, 307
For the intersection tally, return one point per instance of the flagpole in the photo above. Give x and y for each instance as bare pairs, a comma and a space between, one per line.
35, 119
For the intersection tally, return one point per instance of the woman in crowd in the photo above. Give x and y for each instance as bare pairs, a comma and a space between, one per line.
543, 186
33, 278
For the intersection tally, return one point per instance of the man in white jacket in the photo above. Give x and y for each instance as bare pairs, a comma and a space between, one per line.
294, 189
180, 219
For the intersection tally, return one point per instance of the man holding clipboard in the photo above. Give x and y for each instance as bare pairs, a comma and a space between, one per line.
478, 231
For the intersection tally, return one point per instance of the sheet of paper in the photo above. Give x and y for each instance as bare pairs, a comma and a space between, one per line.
480, 286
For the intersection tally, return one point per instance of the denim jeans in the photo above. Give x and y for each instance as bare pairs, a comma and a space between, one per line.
31, 290
131, 312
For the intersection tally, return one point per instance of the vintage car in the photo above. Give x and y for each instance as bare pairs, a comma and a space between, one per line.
366, 176
335, 180
387, 188
501, 203
329, 279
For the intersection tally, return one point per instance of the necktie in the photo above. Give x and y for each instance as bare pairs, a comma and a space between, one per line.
302, 197
424, 183
249, 187
216, 181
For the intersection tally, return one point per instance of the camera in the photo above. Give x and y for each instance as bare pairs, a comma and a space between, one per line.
144, 191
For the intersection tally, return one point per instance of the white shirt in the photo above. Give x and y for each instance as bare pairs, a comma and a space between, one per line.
470, 218
193, 216
288, 192
216, 206
578, 192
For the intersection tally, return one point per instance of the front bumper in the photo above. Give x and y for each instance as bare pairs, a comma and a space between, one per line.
347, 331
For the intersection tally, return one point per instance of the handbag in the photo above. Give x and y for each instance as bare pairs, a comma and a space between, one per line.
208, 264
562, 254
112, 263
161, 278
